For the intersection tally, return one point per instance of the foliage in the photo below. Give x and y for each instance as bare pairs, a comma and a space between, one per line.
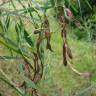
31, 46
87, 29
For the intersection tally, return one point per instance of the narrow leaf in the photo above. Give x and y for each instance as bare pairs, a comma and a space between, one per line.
28, 39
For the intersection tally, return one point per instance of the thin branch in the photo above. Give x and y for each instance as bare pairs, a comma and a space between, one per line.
10, 58
85, 74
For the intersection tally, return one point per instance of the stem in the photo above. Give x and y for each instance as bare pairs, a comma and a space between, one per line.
86, 74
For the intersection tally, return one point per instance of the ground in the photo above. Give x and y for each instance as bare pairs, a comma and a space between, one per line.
59, 80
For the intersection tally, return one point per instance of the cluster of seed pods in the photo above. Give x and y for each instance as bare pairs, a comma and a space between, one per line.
66, 50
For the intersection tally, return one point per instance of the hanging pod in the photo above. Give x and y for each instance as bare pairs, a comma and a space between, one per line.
47, 33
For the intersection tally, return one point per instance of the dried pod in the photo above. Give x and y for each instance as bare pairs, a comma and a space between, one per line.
69, 13
36, 32
27, 70
69, 52
46, 22
77, 23
61, 19
66, 50
36, 64
65, 54
48, 46
64, 34
48, 37
47, 33
38, 44
36, 56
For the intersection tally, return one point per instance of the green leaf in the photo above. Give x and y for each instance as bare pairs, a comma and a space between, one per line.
21, 3
9, 58
13, 4
17, 30
66, 16
30, 83
74, 8
28, 39
10, 42
1, 25
37, 5
79, 3
88, 4
7, 22
52, 2
21, 68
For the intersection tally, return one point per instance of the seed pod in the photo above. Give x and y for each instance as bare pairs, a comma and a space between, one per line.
46, 22
62, 21
27, 70
69, 12
47, 33
36, 65
48, 37
36, 32
48, 46
38, 44
69, 52
65, 54
77, 23
64, 35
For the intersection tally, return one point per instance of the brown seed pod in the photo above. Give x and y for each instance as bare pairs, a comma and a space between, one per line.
69, 52
61, 19
69, 12
48, 37
48, 46
64, 34
47, 32
36, 65
38, 44
77, 23
65, 54
27, 70
36, 32
46, 22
